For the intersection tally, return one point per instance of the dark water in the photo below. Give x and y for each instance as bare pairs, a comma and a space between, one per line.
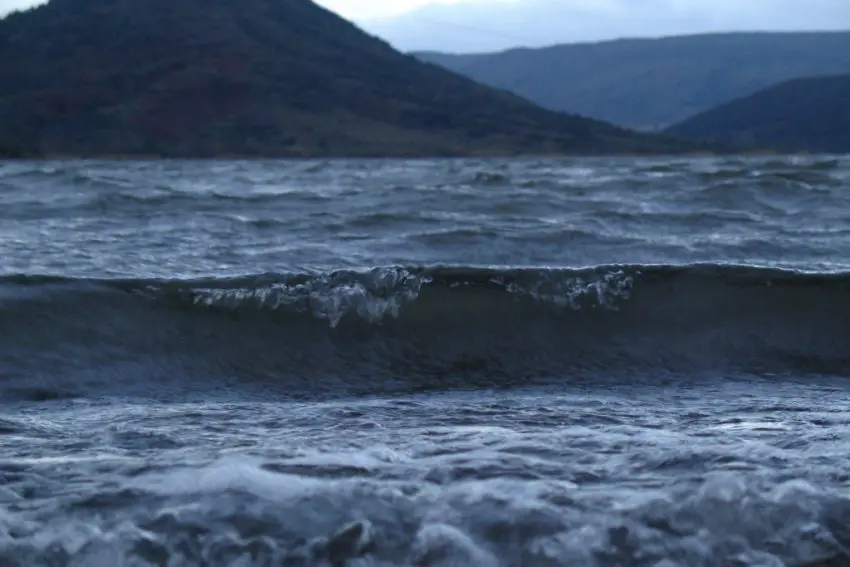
426, 363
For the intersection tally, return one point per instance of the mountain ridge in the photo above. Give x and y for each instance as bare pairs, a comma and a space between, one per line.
654, 83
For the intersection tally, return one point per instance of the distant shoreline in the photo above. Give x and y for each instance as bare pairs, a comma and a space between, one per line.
249, 157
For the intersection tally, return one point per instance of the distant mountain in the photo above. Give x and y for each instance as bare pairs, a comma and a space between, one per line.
255, 77
654, 83
810, 114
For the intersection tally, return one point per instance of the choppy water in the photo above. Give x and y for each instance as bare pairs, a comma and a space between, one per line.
426, 363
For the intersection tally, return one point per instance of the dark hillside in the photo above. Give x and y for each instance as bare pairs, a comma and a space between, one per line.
810, 114
255, 77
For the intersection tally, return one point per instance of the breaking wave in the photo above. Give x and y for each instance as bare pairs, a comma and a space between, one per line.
406, 329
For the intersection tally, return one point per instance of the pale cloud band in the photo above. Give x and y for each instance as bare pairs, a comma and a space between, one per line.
361, 10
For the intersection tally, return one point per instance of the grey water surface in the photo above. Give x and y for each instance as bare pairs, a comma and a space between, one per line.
576, 362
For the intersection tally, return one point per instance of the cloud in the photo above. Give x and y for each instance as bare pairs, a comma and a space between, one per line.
486, 25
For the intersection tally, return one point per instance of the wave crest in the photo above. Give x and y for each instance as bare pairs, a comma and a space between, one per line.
397, 328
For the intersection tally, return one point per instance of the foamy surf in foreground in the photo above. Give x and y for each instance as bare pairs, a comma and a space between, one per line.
639, 475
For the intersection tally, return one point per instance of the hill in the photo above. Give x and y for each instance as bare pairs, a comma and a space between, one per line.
811, 114
8, 151
255, 77
654, 83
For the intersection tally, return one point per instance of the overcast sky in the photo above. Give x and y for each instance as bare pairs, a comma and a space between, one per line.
485, 25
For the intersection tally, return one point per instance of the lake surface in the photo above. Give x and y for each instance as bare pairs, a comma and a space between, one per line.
499, 363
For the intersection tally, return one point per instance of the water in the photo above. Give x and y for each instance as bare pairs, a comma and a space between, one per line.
585, 362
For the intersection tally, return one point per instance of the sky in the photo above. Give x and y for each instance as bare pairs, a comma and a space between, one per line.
490, 25
364, 10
